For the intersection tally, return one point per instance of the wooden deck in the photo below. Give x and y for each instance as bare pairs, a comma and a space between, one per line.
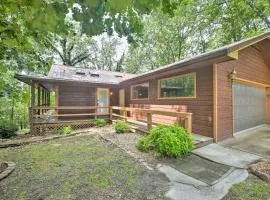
47, 119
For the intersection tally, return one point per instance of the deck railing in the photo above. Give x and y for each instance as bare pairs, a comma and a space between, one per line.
149, 113
40, 112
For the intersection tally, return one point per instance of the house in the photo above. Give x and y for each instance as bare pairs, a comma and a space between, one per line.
226, 89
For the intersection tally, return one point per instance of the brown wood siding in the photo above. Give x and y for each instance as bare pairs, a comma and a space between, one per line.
76, 96
201, 106
250, 66
224, 100
114, 97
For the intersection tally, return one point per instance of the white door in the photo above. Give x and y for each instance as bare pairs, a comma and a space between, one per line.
103, 100
249, 106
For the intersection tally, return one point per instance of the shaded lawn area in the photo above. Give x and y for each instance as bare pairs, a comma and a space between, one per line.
78, 168
252, 188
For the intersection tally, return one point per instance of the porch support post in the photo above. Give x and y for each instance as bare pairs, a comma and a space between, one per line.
49, 98
149, 121
56, 98
31, 110
38, 98
267, 105
42, 100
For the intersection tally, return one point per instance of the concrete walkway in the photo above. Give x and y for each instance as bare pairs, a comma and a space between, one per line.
184, 187
227, 156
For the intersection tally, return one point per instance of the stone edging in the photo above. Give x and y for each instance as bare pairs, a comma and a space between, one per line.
10, 168
20, 143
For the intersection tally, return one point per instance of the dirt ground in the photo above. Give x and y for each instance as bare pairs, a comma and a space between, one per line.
82, 167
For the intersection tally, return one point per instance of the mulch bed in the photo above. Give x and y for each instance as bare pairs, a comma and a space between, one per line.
262, 170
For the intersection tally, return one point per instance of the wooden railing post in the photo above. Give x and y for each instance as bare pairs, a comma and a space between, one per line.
110, 112
149, 121
125, 115
188, 124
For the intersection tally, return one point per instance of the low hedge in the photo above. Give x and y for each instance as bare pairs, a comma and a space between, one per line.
167, 140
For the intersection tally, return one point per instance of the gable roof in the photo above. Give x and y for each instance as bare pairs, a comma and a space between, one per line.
230, 51
63, 72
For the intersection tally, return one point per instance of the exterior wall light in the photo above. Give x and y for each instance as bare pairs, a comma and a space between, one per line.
233, 74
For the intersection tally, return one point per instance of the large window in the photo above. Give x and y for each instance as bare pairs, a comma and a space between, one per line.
140, 91
178, 86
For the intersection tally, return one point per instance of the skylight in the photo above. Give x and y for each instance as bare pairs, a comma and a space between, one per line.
118, 76
80, 73
94, 74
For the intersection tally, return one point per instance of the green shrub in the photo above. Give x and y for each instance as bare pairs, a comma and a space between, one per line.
121, 127
65, 130
100, 122
143, 144
7, 130
170, 141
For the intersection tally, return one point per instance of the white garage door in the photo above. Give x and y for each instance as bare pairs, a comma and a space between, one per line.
249, 106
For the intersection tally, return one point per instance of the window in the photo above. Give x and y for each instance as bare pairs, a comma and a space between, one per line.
140, 91
178, 86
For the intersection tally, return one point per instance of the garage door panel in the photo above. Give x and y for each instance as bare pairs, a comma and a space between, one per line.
249, 106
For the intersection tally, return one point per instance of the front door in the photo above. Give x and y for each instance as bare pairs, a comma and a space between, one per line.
103, 100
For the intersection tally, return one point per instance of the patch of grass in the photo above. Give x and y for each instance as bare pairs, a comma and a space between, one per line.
251, 189
76, 168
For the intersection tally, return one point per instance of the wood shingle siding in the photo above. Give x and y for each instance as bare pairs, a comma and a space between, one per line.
251, 65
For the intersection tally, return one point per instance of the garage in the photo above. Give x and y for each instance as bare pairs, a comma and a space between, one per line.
249, 106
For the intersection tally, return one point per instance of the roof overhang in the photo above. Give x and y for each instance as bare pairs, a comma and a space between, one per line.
49, 83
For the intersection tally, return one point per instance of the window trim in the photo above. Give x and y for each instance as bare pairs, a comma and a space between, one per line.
171, 77
131, 93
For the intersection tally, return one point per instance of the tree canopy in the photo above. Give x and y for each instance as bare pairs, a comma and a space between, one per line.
89, 33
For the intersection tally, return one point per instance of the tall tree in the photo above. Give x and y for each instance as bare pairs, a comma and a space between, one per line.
195, 27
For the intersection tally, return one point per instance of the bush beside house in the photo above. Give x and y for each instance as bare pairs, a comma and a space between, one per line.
100, 122
169, 141
65, 130
121, 127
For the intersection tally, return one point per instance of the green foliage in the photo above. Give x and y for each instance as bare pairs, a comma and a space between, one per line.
143, 144
7, 129
65, 130
169, 141
205, 25
100, 122
121, 127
